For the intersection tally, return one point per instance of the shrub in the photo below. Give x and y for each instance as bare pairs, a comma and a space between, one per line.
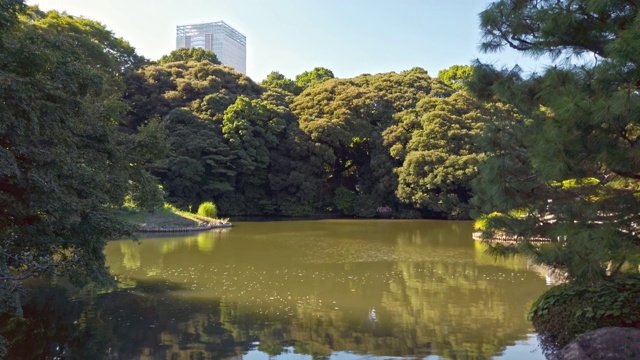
568, 310
291, 208
208, 209
365, 206
344, 200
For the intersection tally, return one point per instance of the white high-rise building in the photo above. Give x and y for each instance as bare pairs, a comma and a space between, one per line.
226, 42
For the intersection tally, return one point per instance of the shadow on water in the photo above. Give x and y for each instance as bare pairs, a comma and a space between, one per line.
61, 322
65, 323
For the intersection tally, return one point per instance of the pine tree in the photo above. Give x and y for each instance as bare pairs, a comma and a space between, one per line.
567, 168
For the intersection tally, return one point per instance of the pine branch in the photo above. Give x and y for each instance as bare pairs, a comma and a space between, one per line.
627, 174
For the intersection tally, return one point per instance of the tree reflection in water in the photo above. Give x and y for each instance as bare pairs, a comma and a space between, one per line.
303, 289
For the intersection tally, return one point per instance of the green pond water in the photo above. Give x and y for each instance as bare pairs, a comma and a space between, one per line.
328, 289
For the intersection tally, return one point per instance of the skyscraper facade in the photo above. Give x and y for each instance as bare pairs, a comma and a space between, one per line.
226, 42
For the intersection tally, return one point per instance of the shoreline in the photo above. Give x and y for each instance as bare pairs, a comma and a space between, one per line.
221, 225
506, 238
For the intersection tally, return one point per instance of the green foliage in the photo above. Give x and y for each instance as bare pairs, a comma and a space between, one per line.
393, 93
344, 200
145, 192
208, 209
99, 46
149, 147
205, 88
252, 130
365, 206
566, 311
278, 81
3, 347
276, 149
555, 27
63, 163
198, 168
150, 143
9, 10
337, 116
456, 76
416, 70
313, 77
196, 162
482, 222
438, 154
568, 154
192, 54
399, 92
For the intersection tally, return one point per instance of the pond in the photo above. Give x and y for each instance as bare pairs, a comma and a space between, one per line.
324, 289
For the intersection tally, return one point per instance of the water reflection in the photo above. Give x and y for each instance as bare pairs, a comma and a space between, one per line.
301, 287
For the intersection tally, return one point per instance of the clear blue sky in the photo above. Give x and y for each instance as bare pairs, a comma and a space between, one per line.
350, 37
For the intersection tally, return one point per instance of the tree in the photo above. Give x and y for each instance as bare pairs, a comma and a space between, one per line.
338, 117
440, 158
99, 45
8, 11
212, 152
296, 173
149, 146
567, 171
416, 70
200, 165
205, 88
456, 76
315, 76
63, 164
395, 93
251, 129
191, 54
277, 80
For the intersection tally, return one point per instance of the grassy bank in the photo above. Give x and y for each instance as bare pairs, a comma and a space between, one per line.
167, 218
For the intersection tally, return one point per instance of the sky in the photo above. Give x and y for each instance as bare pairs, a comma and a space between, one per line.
349, 37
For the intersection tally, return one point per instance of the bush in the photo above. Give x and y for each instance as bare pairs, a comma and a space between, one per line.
208, 209
291, 208
365, 206
344, 200
568, 310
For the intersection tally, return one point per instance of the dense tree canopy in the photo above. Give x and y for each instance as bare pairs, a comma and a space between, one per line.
439, 157
200, 131
456, 76
191, 54
147, 149
568, 169
205, 88
315, 76
277, 80
337, 115
283, 151
396, 93
87, 125
252, 130
62, 161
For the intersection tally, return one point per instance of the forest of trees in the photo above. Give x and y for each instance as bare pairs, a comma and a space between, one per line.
88, 125
402, 142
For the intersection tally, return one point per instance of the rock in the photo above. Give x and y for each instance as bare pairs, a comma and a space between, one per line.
610, 343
